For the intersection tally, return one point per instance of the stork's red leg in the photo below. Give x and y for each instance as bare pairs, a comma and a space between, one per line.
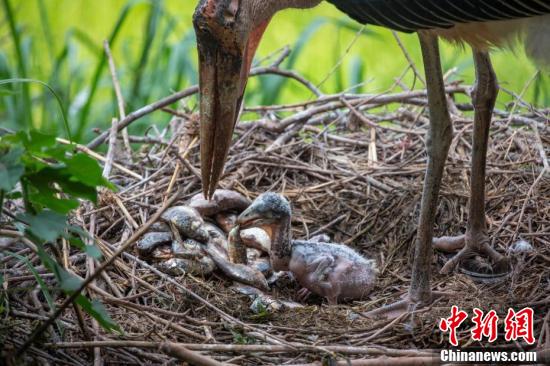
476, 241
438, 143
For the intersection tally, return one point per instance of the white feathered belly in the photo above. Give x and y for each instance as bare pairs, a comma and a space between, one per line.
533, 32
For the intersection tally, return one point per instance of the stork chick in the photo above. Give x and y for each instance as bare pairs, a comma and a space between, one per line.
333, 271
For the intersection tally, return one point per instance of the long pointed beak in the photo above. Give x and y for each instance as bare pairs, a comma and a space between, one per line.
221, 88
223, 78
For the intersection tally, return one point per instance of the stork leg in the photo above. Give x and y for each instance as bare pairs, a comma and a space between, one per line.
438, 143
476, 240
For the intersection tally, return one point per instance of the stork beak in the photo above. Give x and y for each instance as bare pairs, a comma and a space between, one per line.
224, 67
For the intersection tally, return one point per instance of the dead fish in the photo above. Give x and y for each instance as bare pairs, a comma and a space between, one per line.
161, 253
180, 266
263, 265
214, 231
188, 249
281, 279
521, 246
222, 200
252, 254
262, 301
159, 226
226, 221
149, 241
256, 238
239, 272
218, 240
188, 222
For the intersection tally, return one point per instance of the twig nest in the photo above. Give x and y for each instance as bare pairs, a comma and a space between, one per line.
521, 246
223, 200
188, 222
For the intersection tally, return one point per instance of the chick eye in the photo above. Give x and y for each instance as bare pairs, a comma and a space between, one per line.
231, 10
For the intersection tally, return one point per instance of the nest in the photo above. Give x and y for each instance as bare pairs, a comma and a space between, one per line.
352, 167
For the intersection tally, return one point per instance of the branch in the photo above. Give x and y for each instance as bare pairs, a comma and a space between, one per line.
145, 111
94, 275
289, 74
191, 91
254, 348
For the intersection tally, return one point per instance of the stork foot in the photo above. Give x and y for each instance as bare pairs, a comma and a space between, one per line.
405, 307
473, 251
303, 294
391, 311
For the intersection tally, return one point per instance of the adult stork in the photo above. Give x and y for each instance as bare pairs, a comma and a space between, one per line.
228, 34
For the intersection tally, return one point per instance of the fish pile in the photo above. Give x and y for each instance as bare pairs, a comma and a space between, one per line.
248, 241
202, 236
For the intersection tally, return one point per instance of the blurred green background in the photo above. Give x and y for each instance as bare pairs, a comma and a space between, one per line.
60, 43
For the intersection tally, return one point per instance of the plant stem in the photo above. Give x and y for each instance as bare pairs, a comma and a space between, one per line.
1, 203
25, 107
25, 192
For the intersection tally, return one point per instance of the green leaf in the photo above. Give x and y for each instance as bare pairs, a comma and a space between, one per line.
91, 249
38, 140
86, 170
43, 179
98, 312
67, 281
11, 169
46, 225
80, 190
14, 195
63, 206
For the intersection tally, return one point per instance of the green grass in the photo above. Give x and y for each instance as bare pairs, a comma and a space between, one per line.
60, 43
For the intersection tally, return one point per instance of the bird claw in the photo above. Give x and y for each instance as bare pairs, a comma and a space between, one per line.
404, 307
391, 311
469, 245
303, 294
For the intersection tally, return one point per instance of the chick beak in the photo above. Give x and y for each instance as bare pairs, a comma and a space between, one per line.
249, 217
223, 77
